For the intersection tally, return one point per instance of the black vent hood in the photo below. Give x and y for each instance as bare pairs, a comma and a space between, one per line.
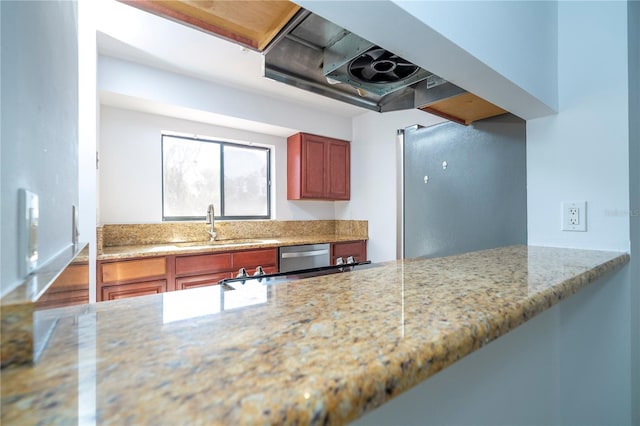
314, 54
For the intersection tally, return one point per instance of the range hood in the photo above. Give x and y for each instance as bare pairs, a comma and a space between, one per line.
317, 55
306, 51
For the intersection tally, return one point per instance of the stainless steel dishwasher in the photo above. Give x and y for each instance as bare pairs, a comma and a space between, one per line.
294, 258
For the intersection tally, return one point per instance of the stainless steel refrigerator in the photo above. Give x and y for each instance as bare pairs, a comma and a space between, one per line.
462, 188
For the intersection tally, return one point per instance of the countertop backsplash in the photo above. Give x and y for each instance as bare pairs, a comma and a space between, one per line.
114, 235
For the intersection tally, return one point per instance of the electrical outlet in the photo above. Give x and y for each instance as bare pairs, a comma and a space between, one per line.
574, 216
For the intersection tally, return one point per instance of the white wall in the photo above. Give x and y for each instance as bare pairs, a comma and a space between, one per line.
582, 153
130, 173
166, 88
39, 124
373, 176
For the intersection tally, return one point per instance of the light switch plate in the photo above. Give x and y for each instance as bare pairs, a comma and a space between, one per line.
28, 230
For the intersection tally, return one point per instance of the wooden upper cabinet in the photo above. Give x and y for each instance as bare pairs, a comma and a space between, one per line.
318, 168
248, 22
338, 170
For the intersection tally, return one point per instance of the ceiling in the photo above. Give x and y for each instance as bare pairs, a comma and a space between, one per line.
128, 33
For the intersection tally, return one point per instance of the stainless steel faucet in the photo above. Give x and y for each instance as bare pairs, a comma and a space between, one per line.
211, 221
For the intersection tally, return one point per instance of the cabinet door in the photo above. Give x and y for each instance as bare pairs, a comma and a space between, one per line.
313, 166
201, 280
122, 291
338, 170
357, 249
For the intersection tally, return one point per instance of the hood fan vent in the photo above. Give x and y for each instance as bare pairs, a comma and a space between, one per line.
365, 66
379, 66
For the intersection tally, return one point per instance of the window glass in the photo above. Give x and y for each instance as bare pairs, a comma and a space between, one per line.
245, 181
197, 172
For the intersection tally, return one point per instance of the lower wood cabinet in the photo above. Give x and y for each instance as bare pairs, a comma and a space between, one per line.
209, 269
137, 277
121, 291
356, 249
128, 278
203, 263
251, 259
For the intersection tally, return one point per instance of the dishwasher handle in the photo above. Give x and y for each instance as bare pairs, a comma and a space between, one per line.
304, 253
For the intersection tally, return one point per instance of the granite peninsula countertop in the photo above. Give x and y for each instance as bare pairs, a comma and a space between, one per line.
201, 247
315, 351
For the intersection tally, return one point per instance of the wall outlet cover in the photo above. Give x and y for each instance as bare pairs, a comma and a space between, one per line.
574, 216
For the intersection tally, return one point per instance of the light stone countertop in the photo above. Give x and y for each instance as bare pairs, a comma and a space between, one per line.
203, 247
316, 351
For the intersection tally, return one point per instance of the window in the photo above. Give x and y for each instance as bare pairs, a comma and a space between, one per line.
198, 172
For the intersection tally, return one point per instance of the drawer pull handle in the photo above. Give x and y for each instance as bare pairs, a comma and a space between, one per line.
304, 253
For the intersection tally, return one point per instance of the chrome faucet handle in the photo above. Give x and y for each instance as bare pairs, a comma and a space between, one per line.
211, 220
242, 273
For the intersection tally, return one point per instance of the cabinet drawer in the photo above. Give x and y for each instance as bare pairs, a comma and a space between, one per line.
191, 265
252, 258
122, 291
347, 249
133, 269
201, 280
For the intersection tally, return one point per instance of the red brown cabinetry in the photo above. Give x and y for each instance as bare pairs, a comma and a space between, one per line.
201, 270
138, 277
128, 278
318, 168
209, 269
357, 249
